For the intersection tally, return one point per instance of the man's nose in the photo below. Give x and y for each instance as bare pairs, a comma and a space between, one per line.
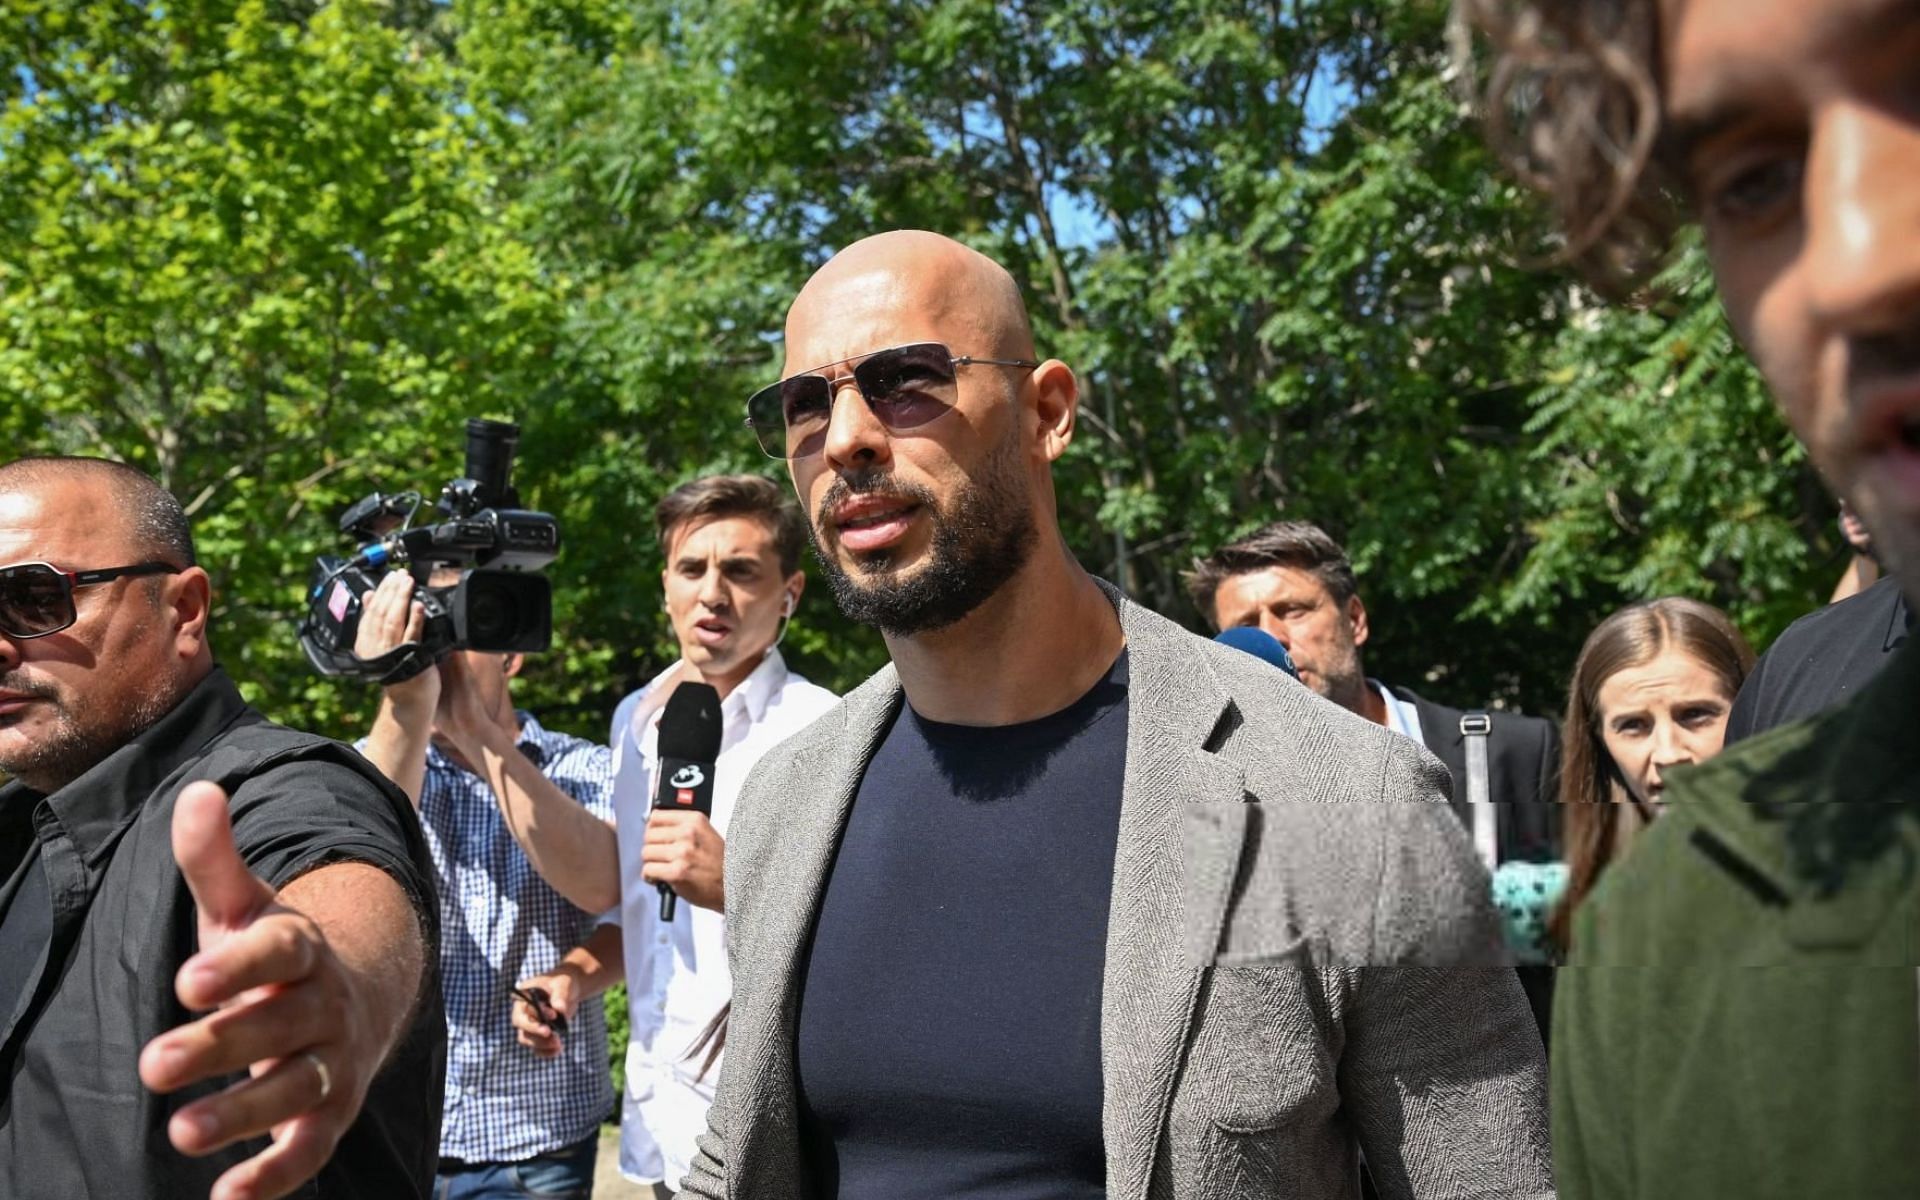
855, 437
1278, 629
1862, 252
713, 591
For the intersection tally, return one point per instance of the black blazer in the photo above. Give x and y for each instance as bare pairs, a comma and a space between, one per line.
1523, 769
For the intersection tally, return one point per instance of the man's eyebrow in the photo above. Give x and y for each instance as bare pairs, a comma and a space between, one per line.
1732, 96
1735, 93
726, 560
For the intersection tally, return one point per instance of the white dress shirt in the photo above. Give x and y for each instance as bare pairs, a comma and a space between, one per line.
677, 978
1402, 717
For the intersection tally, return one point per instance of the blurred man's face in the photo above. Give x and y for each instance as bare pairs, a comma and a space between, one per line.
915, 528
1796, 124
69, 699
1323, 635
726, 594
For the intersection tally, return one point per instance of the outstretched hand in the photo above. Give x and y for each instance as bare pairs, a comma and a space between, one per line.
280, 1005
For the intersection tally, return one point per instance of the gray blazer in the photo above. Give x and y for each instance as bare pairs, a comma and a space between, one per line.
1302, 961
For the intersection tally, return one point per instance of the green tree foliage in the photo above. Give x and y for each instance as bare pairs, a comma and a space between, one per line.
254, 250
274, 252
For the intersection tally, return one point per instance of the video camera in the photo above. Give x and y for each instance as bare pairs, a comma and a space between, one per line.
499, 605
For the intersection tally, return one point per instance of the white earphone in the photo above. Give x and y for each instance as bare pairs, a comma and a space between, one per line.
786, 610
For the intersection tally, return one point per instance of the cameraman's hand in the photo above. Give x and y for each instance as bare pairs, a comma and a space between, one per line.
466, 716
389, 618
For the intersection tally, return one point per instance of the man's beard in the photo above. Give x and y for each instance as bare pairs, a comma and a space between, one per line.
976, 548
70, 748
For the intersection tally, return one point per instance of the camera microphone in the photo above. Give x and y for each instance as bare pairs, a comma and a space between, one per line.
688, 747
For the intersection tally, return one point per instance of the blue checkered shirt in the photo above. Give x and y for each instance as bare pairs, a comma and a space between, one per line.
500, 923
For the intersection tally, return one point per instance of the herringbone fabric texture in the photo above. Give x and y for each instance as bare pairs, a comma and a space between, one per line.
1302, 959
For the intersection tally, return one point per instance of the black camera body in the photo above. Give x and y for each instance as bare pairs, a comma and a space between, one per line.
500, 604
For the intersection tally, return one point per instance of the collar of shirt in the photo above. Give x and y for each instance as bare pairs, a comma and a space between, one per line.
749, 700
93, 807
1402, 717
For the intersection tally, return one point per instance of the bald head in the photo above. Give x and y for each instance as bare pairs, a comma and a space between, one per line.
906, 286
146, 514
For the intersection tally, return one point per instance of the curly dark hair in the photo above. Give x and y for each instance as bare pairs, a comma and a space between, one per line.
1571, 100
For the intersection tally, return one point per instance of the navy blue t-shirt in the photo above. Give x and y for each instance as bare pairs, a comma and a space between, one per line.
949, 1035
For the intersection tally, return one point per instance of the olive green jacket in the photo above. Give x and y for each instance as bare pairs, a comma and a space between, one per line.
1740, 1016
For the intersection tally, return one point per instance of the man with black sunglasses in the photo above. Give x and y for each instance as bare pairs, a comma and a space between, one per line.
1068, 901
213, 931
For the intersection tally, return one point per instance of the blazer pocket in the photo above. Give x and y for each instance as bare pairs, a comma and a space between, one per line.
1259, 1060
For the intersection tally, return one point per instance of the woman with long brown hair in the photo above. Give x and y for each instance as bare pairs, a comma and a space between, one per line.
1651, 691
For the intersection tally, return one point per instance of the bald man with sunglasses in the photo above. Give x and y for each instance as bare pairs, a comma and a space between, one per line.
213, 931
1067, 901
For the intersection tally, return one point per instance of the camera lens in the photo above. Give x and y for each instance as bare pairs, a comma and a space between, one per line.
504, 611
493, 617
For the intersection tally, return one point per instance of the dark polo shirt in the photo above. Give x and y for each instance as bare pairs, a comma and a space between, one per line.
1824, 659
96, 920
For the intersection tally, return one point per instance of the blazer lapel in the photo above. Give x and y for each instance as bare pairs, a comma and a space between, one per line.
1183, 819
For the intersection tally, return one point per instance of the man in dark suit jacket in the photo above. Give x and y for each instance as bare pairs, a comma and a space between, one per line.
1294, 581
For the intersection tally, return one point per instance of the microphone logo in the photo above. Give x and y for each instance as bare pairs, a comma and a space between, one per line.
689, 776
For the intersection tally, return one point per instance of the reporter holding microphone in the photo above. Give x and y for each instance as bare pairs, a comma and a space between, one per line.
732, 545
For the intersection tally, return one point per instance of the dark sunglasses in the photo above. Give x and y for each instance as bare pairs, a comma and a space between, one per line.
904, 387
36, 598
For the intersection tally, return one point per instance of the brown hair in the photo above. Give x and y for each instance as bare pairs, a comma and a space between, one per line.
1571, 103
1298, 544
713, 497
1589, 781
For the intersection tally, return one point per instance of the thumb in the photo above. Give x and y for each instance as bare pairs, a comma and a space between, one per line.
224, 891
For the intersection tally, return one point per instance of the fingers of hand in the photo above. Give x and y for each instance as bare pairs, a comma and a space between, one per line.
299, 1150
281, 947
542, 1041
386, 617
666, 826
688, 850
225, 892
290, 1088
272, 1026
532, 1032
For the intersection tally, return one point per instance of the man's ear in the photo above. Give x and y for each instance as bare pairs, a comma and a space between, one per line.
1056, 406
1357, 617
186, 597
511, 664
796, 583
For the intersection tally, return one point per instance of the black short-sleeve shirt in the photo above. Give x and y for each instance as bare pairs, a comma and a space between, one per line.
1822, 660
74, 1117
